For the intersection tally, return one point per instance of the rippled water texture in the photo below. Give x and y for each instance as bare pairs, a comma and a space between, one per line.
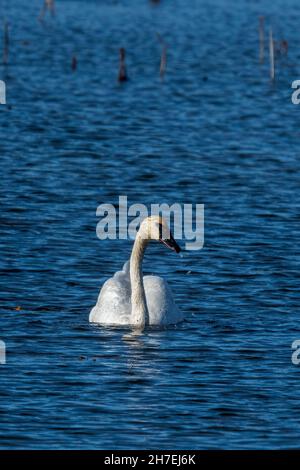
215, 131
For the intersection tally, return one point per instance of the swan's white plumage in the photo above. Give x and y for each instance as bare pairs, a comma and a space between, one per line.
129, 298
114, 302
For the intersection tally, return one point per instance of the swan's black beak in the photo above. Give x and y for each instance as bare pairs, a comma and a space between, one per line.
171, 243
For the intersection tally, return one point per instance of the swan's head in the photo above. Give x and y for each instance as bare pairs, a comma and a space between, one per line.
156, 228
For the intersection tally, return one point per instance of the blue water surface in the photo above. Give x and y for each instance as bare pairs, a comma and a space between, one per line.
215, 131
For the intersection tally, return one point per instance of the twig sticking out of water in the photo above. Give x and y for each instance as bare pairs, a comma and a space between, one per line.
122, 77
261, 39
163, 58
163, 62
48, 6
74, 63
5, 43
284, 47
271, 52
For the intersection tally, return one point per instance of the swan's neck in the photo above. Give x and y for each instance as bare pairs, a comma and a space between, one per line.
139, 311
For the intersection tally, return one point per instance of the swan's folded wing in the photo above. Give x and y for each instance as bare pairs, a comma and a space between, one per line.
114, 302
160, 302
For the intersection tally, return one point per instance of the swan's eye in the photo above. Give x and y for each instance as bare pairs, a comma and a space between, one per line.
163, 232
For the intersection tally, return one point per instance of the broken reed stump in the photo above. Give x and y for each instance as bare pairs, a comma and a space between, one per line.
74, 63
122, 76
48, 5
261, 39
163, 63
271, 54
163, 57
284, 47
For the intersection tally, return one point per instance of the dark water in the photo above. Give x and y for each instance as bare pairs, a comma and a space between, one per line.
214, 132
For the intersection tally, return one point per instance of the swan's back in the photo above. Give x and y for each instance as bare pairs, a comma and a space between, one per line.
114, 302
113, 306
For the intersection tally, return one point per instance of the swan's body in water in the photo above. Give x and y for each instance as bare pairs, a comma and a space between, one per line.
129, 298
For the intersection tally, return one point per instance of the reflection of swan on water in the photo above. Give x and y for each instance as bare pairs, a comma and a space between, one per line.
128, 298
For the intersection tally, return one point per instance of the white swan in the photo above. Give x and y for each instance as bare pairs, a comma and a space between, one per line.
128, 298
